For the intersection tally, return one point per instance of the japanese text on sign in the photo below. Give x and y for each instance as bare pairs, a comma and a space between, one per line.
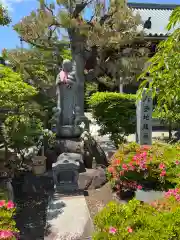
144, 119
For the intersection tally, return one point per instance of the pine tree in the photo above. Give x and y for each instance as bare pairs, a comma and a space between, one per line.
96, 44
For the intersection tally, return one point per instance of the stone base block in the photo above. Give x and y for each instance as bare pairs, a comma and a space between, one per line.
69, 131
62, 188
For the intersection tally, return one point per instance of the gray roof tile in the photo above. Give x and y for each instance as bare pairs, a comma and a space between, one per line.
159, 14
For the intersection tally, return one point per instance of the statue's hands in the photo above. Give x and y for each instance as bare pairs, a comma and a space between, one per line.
69, 83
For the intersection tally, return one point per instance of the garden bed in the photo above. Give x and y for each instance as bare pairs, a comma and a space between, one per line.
97, 199
139, 172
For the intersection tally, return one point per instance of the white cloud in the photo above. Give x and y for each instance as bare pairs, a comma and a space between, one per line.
9, 3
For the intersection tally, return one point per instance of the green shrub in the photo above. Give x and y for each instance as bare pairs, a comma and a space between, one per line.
8, 230
90, 88
137, 221
115, 113
134, 166
22, 132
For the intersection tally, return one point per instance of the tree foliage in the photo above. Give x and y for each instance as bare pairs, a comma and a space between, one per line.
14, 92
20, 125
38, 66
22, 131
100, 40
165, 76
164, 68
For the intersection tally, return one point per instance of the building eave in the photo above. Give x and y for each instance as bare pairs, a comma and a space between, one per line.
152, 6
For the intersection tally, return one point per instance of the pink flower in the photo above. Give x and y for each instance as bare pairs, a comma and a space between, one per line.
112, 230
124, 167
173, 192
110, 169
129, 229
10, 205
167, 194
4, 234
2, 203
162, 166
130, 164
177, 197
177, 162
163, 173
139, 187
144, 154
135, 158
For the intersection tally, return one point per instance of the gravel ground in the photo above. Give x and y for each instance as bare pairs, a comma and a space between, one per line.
98, 198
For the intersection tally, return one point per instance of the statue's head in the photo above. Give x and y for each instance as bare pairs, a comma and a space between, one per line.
67, 65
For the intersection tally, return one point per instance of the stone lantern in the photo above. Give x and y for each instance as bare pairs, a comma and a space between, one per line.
66, 172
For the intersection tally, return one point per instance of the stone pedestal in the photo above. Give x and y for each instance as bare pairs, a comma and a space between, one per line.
66, 172
68, 131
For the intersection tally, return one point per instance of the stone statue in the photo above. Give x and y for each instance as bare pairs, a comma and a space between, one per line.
67, 100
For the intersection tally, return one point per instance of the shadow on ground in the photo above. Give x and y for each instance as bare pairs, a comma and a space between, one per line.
31, 197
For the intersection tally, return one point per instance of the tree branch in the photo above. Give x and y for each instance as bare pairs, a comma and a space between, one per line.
80, 7
41, 46
90, 76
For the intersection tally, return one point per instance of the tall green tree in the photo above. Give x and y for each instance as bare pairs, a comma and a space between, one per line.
96, 44
164, 67
165, 75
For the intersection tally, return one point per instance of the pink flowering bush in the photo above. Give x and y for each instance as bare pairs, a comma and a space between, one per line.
137, 167
135, 220
8, 230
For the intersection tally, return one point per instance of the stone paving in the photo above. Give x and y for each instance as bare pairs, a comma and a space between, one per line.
68, 218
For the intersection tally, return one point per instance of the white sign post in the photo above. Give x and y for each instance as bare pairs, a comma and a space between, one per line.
144, 119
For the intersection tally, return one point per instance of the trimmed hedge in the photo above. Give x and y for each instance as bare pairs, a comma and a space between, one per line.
115, 113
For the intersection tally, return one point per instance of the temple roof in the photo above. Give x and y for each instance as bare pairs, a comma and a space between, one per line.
159, 17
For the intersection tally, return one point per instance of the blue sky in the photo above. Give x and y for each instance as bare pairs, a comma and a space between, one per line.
20, 8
